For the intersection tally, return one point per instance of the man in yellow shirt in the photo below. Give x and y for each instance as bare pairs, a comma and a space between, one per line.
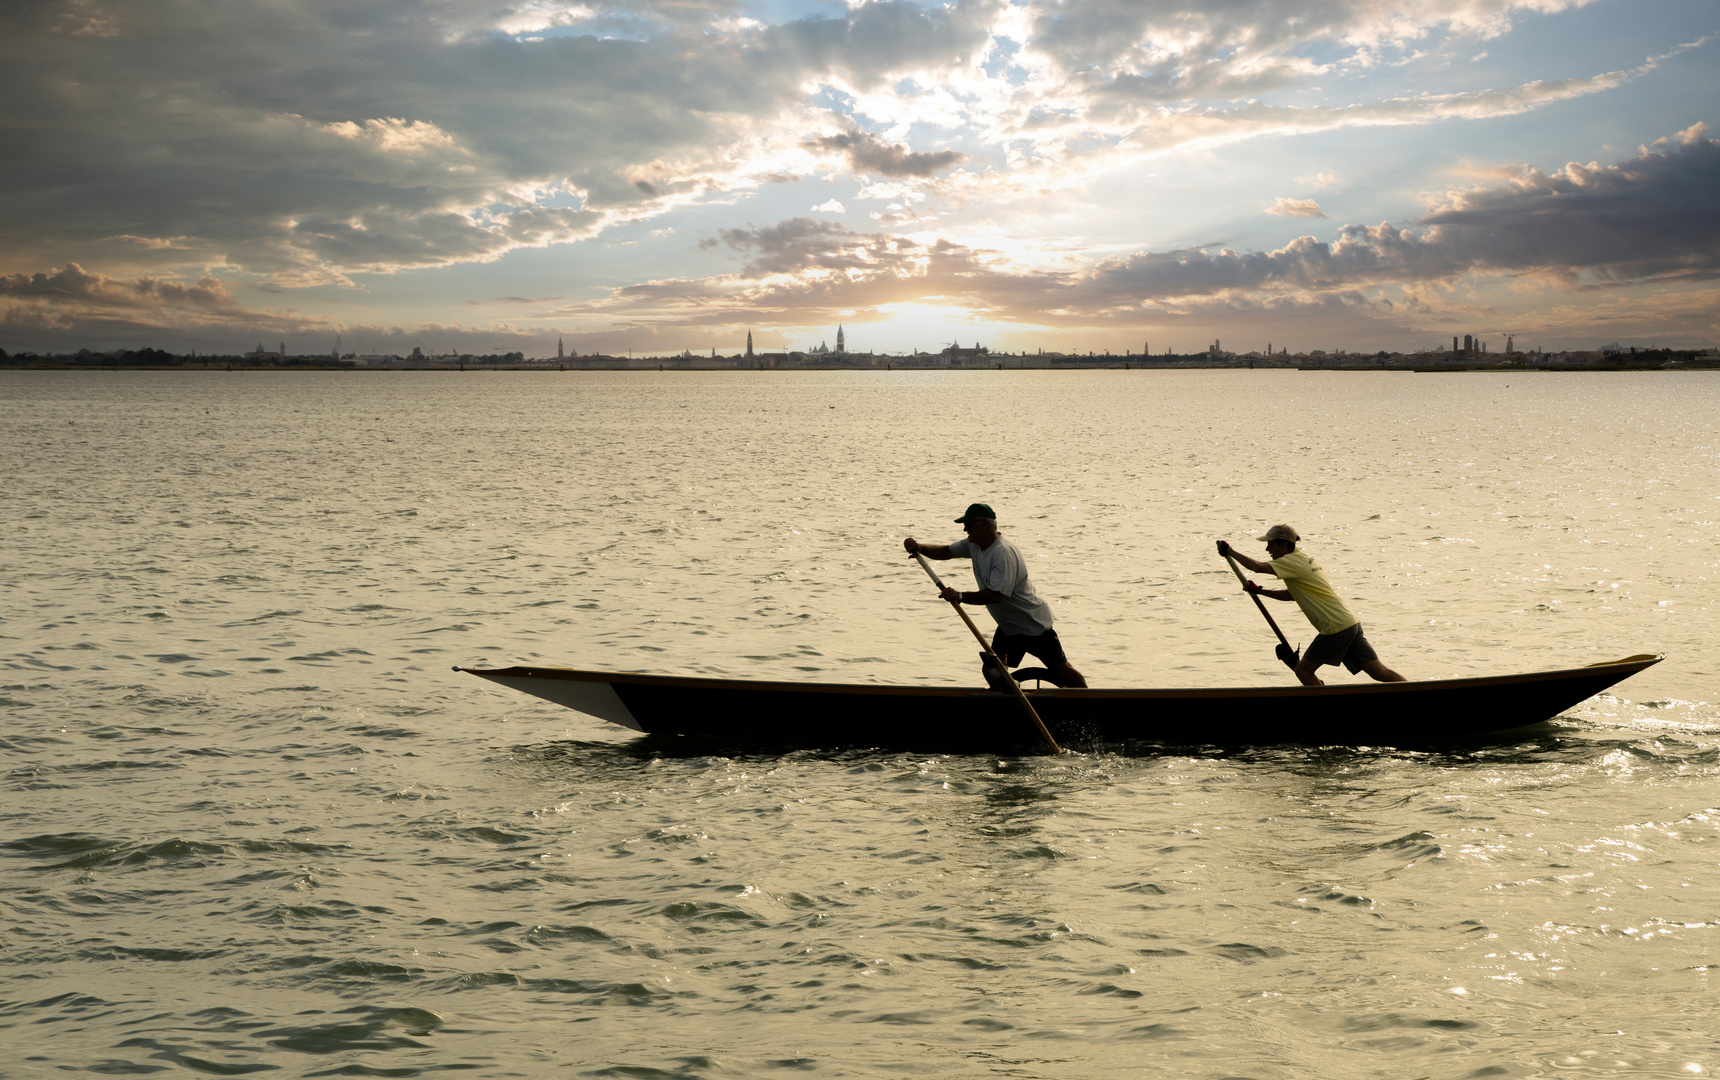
1340, 639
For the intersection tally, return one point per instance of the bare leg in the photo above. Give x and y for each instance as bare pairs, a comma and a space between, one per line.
1064, 675
1067, 676
1381, 673
1306, 670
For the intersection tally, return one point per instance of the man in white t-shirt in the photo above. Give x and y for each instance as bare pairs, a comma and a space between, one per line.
1023, 619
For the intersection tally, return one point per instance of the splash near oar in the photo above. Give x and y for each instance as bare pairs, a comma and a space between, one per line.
1001, 666
1285, 653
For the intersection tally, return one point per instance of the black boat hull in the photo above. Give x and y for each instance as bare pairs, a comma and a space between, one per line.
738, 712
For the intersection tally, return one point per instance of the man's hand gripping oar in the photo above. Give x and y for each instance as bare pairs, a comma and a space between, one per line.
1285, 653
986, 645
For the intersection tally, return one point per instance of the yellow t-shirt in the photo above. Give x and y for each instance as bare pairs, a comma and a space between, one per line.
1313, 593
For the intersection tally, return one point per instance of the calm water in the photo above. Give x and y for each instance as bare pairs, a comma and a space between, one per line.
251, 821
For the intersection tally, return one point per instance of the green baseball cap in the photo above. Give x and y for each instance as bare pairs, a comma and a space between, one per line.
977, 510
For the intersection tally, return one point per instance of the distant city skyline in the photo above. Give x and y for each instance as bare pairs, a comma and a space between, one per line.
1471, 353
554, 178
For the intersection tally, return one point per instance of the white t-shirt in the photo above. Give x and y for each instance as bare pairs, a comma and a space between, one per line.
1001, 569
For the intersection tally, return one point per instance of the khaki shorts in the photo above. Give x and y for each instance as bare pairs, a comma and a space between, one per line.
1347, 647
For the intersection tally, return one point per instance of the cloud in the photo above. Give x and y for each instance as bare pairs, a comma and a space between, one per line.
112, 310
1650, 218
204, 315
425, 134
157, 243
802, 246
1201, 82
71, 285
1127, 34
289, 146
1152, 130
393, 135
866, 153
1296, 208
420, 134
1653, 217
1086, 57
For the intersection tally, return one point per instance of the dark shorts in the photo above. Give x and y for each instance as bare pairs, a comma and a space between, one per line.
1012, 647
1347, 647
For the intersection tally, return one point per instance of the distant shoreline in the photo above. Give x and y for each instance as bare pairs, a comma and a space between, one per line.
668, 366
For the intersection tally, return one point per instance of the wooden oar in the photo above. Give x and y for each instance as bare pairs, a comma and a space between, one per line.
986, 645
1285, 653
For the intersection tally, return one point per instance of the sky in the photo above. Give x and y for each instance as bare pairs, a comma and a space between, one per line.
489, 176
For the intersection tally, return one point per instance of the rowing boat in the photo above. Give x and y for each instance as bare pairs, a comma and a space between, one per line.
746, 712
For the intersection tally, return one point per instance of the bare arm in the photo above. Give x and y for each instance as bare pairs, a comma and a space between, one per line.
1253, 564
954, 596
1259, 568
939, 552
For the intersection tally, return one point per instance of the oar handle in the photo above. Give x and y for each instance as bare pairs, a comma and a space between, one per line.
1237, 570
1256, 598
1020, 695
933, 574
